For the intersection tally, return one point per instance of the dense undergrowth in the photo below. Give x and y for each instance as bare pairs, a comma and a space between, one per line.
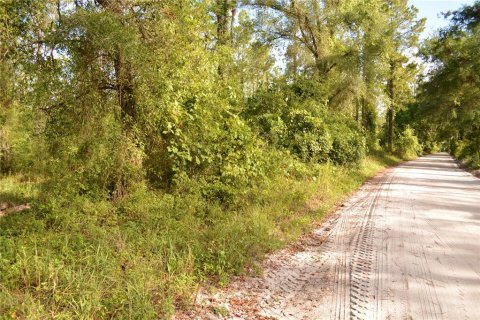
144, 256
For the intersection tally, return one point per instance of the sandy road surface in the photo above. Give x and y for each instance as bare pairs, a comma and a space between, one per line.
405, 246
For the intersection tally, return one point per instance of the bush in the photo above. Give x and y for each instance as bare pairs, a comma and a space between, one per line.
100, 166
349, 145
431, 147
303, 126
307, 136
407, 145
211, 145
466, 151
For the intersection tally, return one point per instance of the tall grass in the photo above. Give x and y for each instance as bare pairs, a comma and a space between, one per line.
145, 255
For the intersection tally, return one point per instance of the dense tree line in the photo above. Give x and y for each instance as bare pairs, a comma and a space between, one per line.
447, 110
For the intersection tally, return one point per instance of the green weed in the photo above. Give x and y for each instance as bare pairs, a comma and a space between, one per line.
143, 256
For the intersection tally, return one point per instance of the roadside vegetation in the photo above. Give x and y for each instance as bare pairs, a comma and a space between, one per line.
145, 255
156, 145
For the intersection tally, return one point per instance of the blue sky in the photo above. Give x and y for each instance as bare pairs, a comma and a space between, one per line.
431, 10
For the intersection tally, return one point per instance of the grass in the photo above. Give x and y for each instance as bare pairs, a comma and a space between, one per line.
16, 190
144, 256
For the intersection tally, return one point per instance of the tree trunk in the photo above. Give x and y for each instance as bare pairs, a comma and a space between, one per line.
123, 73
357, 111
125, 90
391, 108
222, 21
222, 28
390, 129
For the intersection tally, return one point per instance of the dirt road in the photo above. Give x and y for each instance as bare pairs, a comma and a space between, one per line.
405, 246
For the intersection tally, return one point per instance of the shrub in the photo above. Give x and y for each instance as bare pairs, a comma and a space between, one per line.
407, 145
307, 136
303, 126
349, 145
211, 145
466, 151
431, 146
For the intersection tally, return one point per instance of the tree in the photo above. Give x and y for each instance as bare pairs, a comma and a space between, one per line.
450, 93
400, 40
319, 43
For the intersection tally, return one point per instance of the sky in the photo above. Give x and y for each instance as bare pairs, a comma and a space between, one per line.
432, 9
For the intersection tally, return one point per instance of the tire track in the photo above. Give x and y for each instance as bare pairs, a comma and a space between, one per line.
285, 294
358, 279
